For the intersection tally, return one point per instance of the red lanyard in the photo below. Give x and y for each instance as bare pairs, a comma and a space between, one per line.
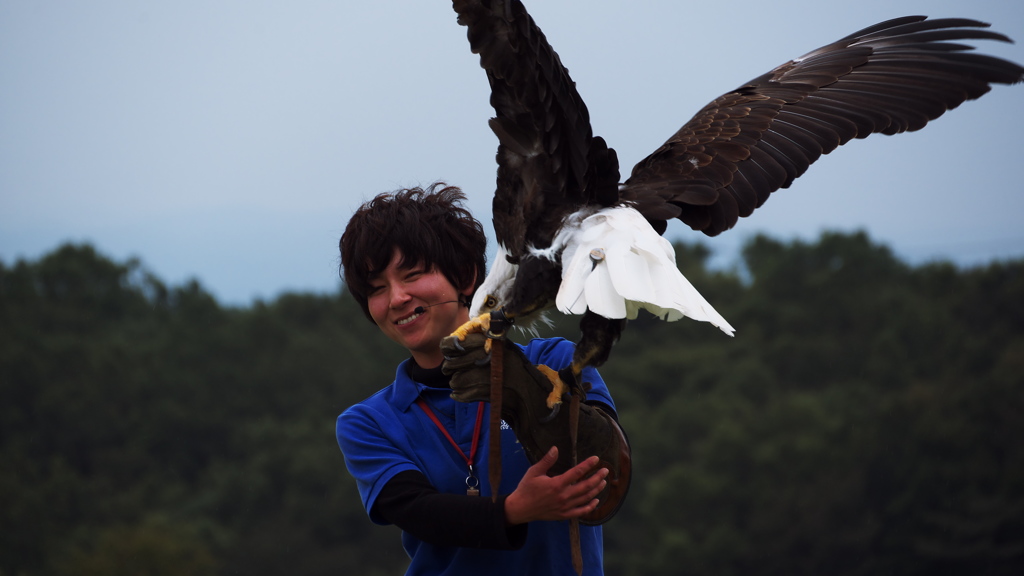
471, 481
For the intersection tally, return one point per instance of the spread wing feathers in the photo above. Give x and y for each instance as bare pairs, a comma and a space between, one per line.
893, 77
615, 264
549, 163
558, 201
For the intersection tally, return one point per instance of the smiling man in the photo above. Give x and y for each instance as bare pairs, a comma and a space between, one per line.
412, 260
416, 306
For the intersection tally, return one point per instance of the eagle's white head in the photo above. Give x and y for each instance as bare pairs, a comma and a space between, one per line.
496, 289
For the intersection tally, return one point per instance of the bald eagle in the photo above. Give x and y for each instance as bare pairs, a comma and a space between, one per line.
572, 236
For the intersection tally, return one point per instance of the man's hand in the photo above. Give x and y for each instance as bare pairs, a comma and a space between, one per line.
563, 497
469, 362
525, 393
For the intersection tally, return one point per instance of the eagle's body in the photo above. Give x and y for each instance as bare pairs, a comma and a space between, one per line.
572, 237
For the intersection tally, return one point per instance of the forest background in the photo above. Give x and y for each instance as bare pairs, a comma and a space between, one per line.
868, 418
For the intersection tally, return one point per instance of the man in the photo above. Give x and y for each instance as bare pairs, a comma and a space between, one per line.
413, 259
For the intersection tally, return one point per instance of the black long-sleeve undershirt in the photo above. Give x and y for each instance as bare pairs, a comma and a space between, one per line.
410, 502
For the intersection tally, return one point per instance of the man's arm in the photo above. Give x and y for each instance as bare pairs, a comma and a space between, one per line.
410, 502
525, 394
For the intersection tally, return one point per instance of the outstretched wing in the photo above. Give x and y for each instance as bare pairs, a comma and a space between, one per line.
892, 77
549, 162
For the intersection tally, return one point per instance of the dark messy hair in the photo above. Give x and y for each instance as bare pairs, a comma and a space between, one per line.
428, 227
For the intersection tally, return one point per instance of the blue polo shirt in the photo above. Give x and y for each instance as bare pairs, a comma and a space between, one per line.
387, 434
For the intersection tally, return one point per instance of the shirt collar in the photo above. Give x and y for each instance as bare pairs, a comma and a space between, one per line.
406, 390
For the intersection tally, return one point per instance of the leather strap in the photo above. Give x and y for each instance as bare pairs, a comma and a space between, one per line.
497, 382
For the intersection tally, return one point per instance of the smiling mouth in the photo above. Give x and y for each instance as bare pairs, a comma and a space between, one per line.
407, 319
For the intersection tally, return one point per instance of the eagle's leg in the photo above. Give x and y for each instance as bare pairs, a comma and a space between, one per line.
492, 324
481, 323
599, 334
558, 389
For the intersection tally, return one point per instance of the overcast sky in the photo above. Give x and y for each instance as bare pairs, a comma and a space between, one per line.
230, 141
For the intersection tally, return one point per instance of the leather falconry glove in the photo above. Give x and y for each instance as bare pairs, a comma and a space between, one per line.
524, 408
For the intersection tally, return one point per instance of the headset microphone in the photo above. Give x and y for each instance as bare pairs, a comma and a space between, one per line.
422, 309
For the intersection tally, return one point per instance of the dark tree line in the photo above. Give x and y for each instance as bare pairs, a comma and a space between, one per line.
868, 418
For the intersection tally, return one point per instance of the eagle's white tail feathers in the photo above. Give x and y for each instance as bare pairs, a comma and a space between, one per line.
615, 264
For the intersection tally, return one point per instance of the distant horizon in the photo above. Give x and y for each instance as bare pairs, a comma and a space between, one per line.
715, 262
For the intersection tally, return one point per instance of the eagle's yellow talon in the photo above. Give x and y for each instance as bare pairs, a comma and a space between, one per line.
558, 387
481, 323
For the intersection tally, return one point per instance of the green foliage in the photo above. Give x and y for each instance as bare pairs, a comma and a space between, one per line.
866, 419
154, 548
126, 401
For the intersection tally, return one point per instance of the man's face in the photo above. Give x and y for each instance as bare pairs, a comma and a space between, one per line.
395, 294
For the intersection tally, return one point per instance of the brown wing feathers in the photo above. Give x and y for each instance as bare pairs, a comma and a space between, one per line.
893, 77
549, 164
